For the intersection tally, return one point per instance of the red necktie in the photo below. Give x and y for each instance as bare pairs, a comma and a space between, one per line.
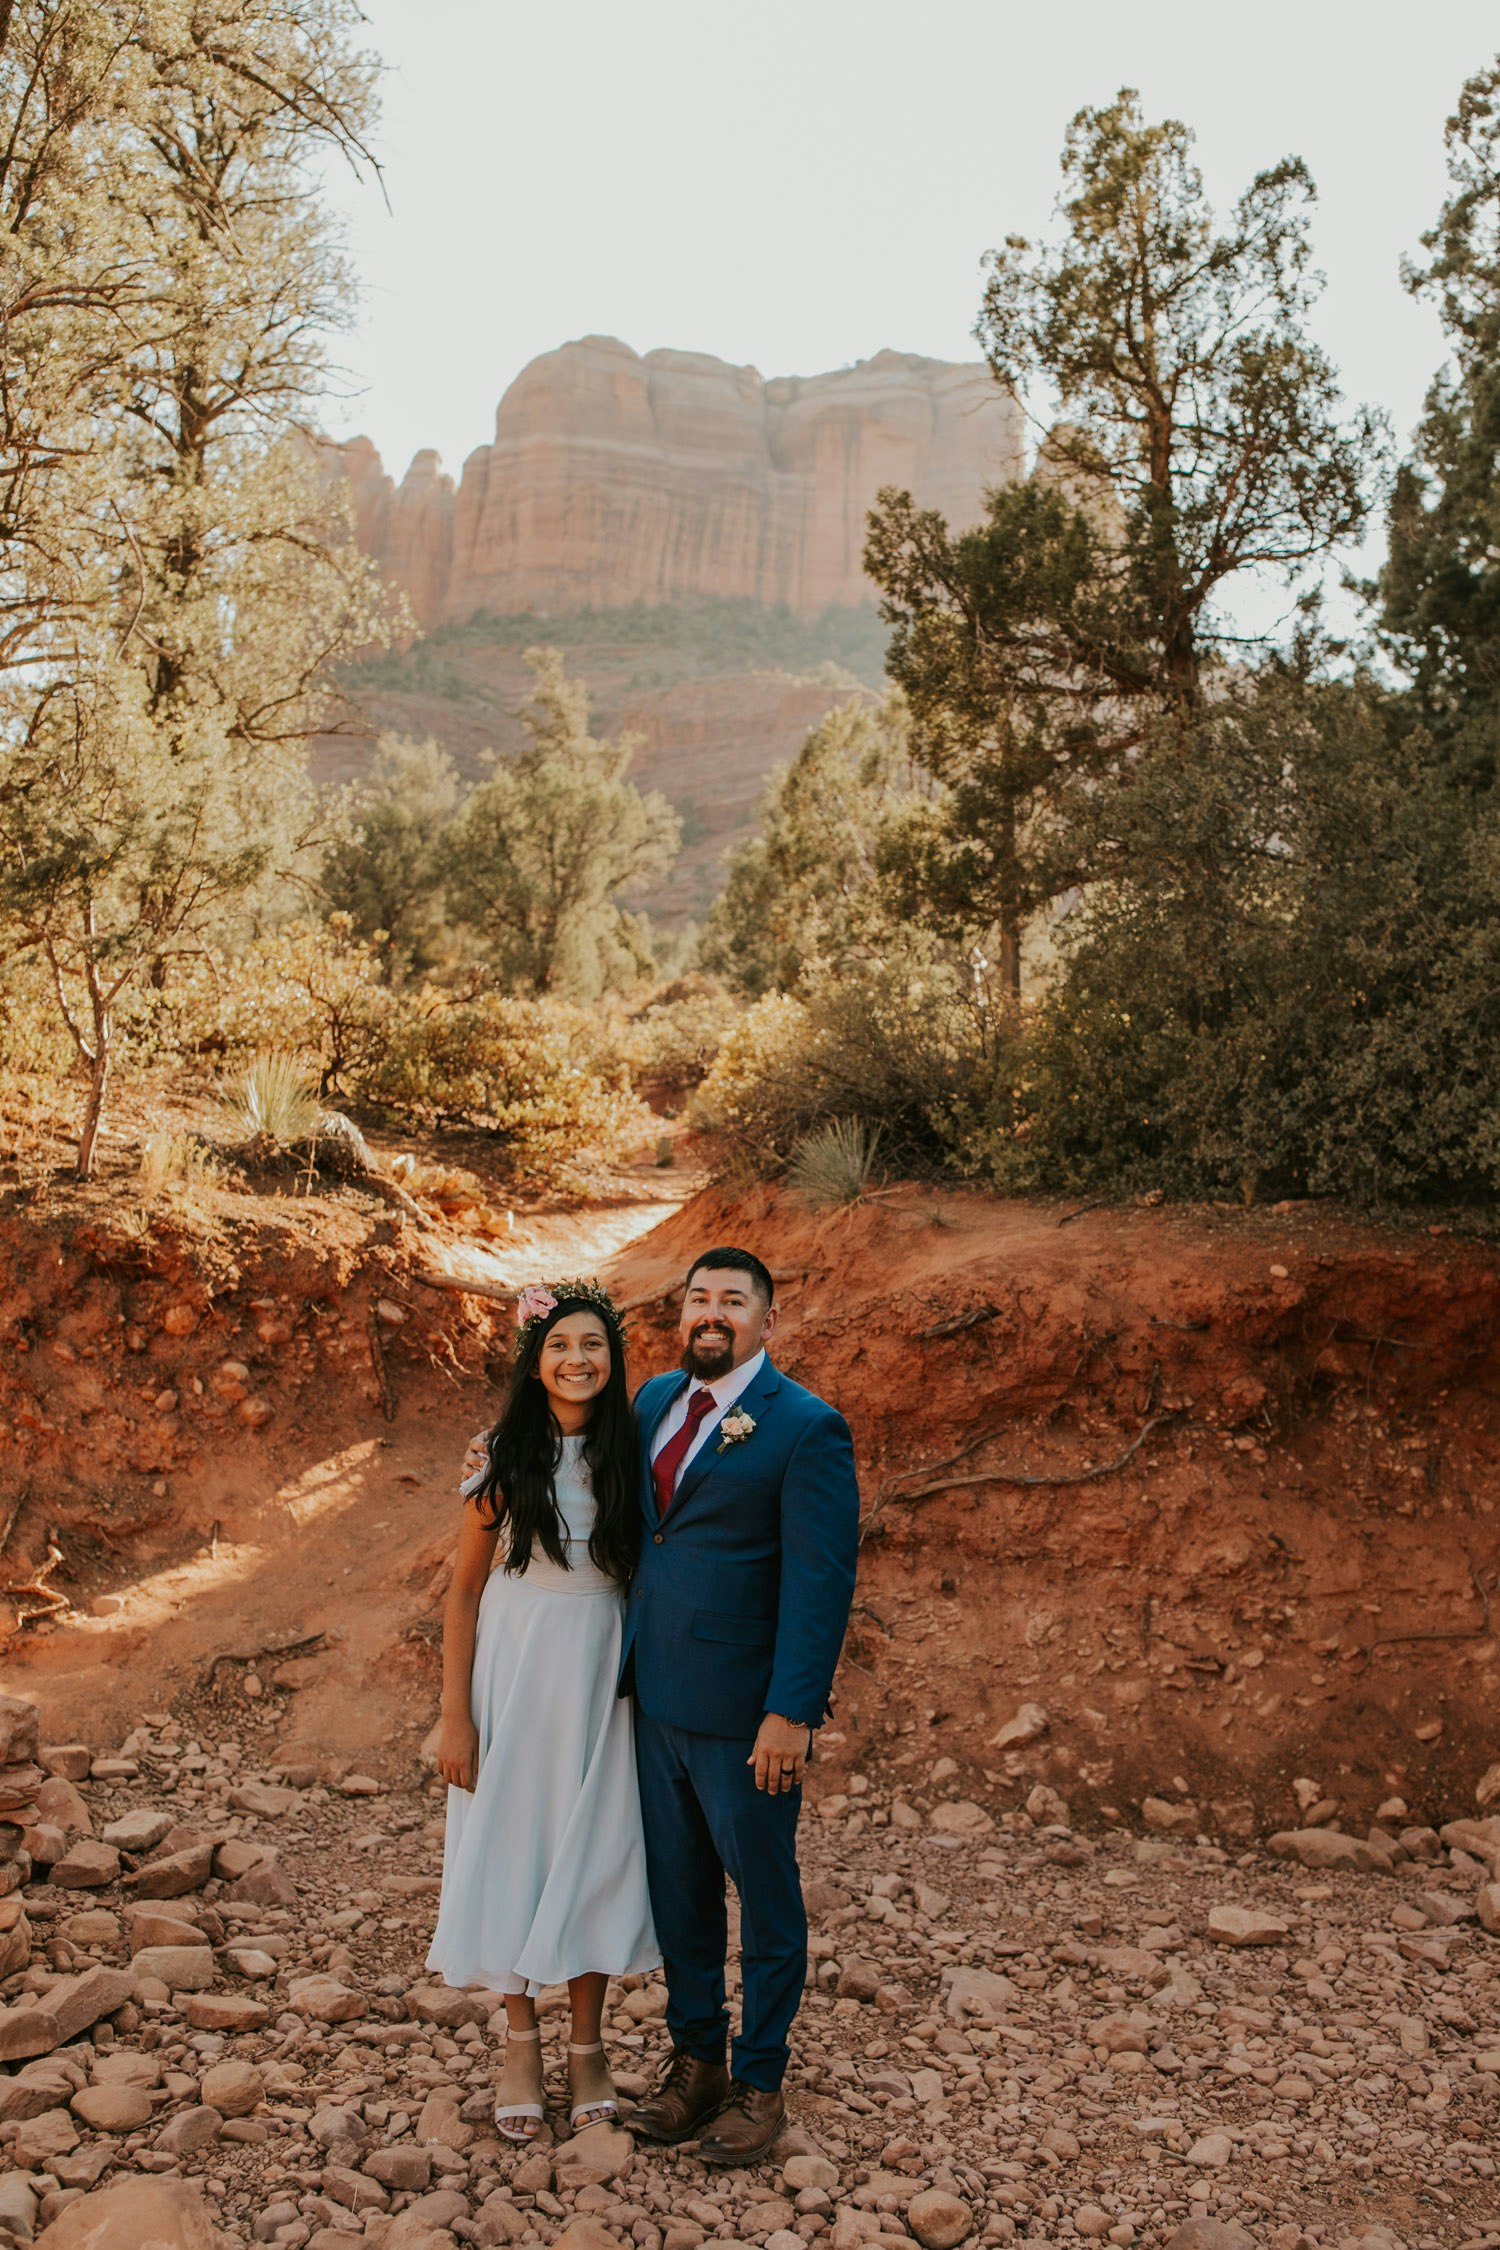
672, 1455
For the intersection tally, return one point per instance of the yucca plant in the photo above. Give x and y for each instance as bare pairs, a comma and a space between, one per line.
836, 1163
274, 1099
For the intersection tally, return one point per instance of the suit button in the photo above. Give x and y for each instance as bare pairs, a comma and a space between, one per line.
658, 1537
639, 1591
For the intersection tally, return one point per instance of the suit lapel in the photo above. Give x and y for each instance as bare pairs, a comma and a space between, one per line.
754, 1398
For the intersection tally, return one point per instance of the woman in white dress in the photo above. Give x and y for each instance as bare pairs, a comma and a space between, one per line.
544, 1868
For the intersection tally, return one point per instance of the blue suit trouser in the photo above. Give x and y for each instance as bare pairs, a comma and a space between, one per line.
704, 1819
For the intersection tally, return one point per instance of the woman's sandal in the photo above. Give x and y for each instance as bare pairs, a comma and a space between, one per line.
603, 2108
519, 2121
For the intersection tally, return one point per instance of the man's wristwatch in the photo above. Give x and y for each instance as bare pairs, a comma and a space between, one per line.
786, 1722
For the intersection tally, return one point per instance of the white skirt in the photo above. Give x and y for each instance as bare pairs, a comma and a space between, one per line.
544, 1864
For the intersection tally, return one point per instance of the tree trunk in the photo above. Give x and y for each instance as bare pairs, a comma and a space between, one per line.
1010, 958
94, 1108
1010, 912
99, 1053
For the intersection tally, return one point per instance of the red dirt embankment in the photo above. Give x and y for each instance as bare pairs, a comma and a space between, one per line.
192, 1415
1287, 1575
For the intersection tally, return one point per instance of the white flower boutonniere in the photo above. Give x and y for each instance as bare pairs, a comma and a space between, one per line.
736, 1426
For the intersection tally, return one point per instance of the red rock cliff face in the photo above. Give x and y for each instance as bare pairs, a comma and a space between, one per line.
616, 479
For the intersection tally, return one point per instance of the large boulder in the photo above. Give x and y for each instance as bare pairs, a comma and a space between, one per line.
135, 2214
20, 1735
1326, 1848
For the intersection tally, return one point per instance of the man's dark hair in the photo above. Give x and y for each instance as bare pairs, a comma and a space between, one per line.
735, 1261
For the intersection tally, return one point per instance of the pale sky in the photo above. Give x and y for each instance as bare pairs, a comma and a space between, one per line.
798, 185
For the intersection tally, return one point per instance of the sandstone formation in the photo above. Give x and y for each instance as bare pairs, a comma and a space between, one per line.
615, 478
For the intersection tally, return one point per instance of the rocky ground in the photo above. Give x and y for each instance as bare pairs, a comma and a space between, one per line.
216, 2020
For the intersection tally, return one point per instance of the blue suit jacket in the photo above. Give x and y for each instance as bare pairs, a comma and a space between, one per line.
741, 1596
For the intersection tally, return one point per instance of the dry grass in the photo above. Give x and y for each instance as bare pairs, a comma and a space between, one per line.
176, 1168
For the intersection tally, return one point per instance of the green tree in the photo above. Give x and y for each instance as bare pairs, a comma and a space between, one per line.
111, 856
154, 717
810, 886
1203, 429
389, 873
74, 290
1201, 438
547, 847
1440, 587
1289, 982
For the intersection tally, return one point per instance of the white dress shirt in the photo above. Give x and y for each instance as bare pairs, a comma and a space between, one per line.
725, 1388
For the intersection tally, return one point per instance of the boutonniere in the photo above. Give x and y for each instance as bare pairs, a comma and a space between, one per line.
736, 1426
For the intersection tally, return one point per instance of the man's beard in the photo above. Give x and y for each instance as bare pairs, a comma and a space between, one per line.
706, 1357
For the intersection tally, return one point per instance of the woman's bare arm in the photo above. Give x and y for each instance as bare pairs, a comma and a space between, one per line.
458, 1737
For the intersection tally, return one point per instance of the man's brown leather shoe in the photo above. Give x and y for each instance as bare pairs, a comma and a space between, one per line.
690, 2093
745, 2127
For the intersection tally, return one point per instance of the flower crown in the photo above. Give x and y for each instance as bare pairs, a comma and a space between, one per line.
540, 1299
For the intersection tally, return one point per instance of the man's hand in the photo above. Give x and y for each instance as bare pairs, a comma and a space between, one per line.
476, 1457
458, 1751
780, 1754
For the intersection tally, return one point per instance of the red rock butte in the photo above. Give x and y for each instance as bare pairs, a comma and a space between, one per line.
616, 478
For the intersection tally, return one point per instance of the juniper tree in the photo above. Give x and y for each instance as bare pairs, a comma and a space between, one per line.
552, 843
1197, 434
1440, 588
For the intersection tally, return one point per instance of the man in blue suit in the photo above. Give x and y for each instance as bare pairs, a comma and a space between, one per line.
734, 1623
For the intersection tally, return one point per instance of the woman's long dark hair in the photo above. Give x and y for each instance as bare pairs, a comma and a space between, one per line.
519, 1489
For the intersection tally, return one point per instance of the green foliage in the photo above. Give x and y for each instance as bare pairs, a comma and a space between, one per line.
274, 1099
524, 1071
544, 849
1292, 983
1440, 588
807, 889
1286, 983
835, 1165
658, 641
177, 574
1202, 430
1040, 649
388, 873
669, 1045
903, 1043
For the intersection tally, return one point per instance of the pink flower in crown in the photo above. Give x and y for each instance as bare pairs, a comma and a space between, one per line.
534, 1303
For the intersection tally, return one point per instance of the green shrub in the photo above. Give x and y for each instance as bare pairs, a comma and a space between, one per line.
1290, 986
901, 1044
670, 1044
523, 1070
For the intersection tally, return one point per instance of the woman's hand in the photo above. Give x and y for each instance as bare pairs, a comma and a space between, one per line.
476, 1457
458, 1751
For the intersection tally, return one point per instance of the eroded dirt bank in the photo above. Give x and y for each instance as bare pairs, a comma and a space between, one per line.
238, 1435
1288, 1576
